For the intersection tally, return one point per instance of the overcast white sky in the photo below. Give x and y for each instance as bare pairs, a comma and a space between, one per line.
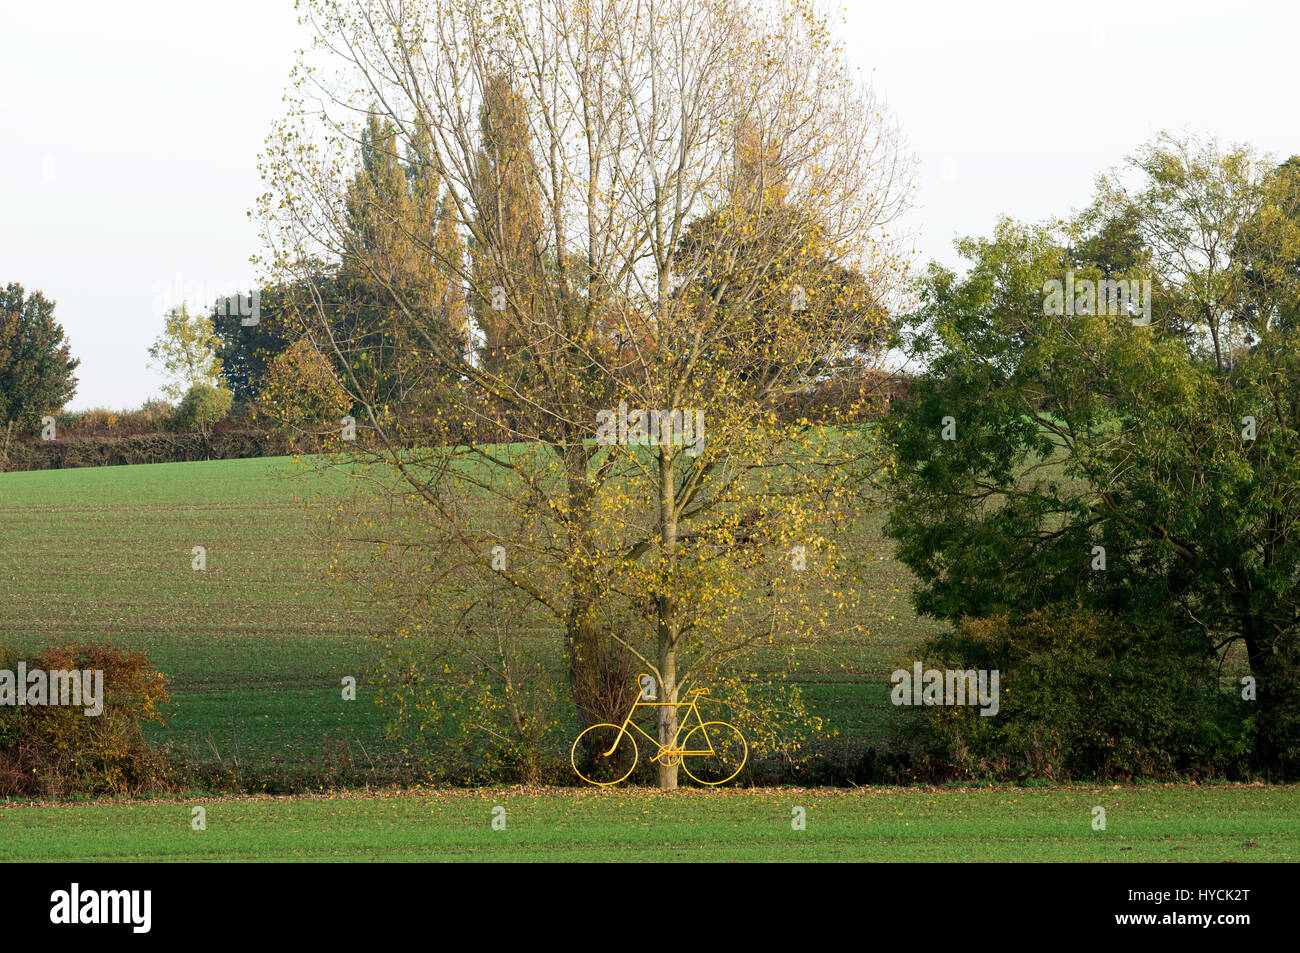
129, 131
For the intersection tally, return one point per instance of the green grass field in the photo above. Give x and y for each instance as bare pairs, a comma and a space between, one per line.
256, 646
1149, 823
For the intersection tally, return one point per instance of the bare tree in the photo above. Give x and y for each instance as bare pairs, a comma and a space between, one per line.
708, 193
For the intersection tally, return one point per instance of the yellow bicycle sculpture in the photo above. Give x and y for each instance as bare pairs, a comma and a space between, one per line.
711, 752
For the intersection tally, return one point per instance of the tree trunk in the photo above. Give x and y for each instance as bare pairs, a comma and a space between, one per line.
669, 624
582, 629
1266, 684
582, 650
666, 773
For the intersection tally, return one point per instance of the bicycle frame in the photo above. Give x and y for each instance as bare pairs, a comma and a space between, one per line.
671, 751
730, 752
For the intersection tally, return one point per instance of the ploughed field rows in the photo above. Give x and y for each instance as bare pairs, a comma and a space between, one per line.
254, 645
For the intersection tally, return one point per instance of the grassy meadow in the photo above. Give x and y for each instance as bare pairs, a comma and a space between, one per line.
1151, 823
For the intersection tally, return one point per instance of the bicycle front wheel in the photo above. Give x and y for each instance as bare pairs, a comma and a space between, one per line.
728, 748
601, 757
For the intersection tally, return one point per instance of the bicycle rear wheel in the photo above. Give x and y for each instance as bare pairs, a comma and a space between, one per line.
601, 757
728, 757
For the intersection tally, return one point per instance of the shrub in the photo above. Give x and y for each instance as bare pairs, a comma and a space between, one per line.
302, 394
203, 407
154, 416
1086, 695
143, 448
59, 751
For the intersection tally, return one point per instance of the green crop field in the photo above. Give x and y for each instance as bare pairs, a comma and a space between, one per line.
1147, 823
255, 647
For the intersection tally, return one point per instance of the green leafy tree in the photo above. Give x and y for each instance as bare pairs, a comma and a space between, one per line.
187, 352
247, 350
302, 393
1149, 472
202, 407
36, 363
1190, 200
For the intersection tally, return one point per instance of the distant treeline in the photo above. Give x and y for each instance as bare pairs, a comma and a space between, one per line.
102, 438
